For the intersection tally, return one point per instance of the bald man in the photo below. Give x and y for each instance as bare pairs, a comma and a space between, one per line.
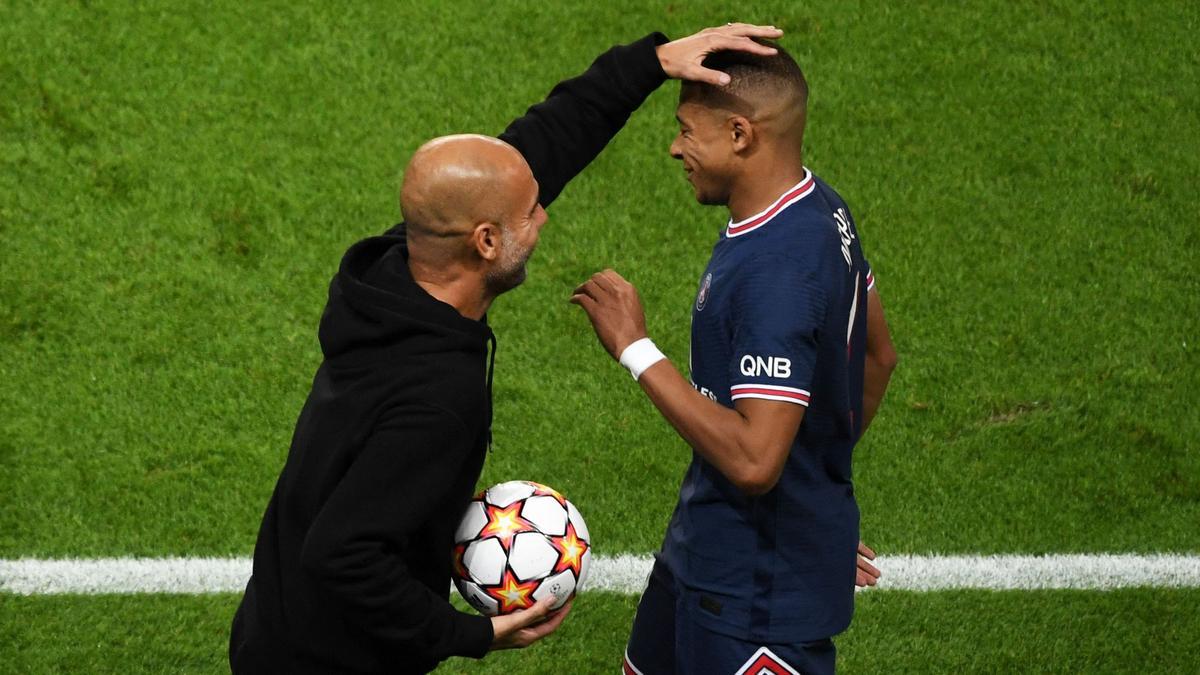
353, 558
790, 357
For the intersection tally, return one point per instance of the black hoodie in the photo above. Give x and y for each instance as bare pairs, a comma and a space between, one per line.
352, 565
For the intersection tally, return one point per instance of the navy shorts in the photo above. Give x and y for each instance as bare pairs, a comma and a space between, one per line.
666, 641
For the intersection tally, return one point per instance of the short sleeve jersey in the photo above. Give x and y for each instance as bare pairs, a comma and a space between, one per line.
780, 315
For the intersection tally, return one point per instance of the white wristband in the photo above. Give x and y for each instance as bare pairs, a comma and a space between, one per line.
639, 356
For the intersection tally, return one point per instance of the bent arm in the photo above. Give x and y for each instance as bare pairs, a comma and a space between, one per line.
880, 358
354, 548
748, 444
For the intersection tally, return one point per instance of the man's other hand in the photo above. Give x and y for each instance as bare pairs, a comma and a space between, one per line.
527, 626
614, 308
681, 58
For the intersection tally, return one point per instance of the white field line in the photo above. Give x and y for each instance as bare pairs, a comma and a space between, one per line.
627, 573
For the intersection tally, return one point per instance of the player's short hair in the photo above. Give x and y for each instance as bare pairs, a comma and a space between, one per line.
753, 80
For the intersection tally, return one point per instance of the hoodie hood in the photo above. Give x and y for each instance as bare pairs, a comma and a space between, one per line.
375, 305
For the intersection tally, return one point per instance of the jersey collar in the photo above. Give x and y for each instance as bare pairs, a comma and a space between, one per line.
794, 194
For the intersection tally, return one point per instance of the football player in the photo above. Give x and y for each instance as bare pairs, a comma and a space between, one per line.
790, 357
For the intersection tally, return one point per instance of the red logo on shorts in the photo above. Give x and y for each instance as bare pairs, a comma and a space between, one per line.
765, 662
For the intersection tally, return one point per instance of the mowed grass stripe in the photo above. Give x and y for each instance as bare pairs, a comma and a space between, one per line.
626, 574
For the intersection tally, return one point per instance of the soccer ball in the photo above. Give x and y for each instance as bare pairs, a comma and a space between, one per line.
517, 543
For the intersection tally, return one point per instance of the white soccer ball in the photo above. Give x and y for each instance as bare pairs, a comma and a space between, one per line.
517, 543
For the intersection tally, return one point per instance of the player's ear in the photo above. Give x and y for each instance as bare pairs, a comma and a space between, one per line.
486, 240
741, 133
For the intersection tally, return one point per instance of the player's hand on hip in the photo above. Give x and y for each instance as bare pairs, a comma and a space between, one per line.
681, 59
866, 574
525, 627
614, 308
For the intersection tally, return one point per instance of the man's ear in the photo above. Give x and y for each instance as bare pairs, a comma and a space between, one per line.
486, 240
741, 133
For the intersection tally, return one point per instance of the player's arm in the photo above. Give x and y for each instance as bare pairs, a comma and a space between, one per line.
353, 550
880, 361
880, 358
565, 132
749, 443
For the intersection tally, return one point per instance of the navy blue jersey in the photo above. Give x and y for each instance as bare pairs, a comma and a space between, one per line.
780, 315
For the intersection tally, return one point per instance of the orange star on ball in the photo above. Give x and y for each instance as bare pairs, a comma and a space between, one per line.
512, 594
570, 551
504, 524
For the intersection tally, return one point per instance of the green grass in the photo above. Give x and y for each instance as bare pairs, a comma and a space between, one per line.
178, 182
1131, 631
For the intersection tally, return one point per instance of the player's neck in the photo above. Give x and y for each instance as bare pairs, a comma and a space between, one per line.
758, 189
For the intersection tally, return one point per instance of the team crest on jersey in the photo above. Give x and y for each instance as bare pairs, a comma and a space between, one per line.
702, 296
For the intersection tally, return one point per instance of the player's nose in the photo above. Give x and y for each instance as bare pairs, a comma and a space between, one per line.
675, 150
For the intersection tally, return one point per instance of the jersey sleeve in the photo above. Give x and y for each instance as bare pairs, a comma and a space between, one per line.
779, 310
870, 276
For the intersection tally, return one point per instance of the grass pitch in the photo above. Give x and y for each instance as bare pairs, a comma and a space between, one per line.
894, 632
178, 182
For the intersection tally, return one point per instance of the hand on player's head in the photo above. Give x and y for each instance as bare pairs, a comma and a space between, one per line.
525, 627
682, 59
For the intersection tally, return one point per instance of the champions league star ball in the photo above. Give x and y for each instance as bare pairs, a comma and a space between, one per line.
517, 543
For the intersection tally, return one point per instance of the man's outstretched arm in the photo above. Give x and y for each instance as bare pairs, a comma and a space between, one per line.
564, 133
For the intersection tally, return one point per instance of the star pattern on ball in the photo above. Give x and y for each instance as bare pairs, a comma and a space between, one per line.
460, 568
542, 490
570, 551
504, 524
512, 594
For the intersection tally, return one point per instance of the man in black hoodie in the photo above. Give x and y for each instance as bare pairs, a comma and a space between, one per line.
352, 564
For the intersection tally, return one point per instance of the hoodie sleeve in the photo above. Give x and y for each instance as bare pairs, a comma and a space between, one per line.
352, 548
564, 133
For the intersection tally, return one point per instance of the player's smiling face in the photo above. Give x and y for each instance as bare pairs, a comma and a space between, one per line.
704, 147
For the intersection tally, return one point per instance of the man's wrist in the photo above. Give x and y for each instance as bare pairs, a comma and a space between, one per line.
639, 356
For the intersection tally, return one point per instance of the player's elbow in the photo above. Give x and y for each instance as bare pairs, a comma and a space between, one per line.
756, 479
757, 487
885, 358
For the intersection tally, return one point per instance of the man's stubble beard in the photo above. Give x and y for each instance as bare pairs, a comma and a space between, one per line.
509, 272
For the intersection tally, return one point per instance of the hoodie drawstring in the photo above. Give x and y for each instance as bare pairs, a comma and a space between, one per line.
490, 370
